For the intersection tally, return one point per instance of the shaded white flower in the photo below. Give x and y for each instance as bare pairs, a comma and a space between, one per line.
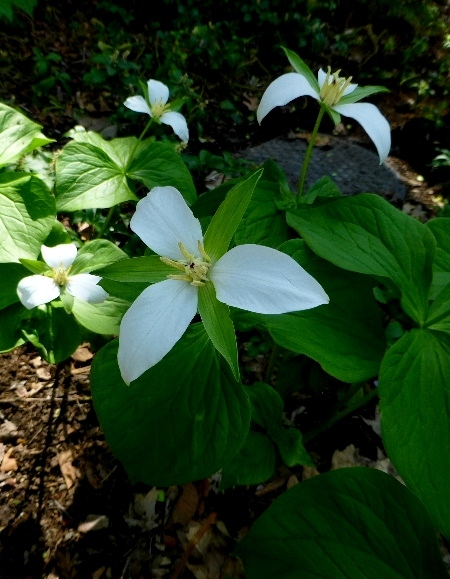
158, 109
35, 290
251, 277
335, 94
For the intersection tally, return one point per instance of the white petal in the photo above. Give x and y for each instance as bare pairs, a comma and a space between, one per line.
178, 124
266, 281
84, 286
138, 104
35, 290
283, 90
349, 89
158, 93
163, 219
60, 255
154, 324
373, 122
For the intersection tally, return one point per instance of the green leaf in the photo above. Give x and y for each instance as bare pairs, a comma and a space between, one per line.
146, 269
324, 187
414, 389
440, 228
345, 336
218, 325
27, 214
366, 234
58, 235
352, 523
10, 275
180, 421
439, 312
361, 92
226, 220
267, 411
89, 176
263, 223
10, 320
158, 165
253, 464
101, 318
18, 135
126, 291
96, 254
302, 68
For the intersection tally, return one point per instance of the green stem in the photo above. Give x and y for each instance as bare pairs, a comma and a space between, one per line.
309, 150
339, 415
276, 349
50, 351
107, 221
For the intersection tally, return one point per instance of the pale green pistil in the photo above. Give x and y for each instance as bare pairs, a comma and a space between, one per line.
158, 109
195, 268
333, 88
60, 275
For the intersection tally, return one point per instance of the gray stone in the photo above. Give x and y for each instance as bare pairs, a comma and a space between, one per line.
352, 167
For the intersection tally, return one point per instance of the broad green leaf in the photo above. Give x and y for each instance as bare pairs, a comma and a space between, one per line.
439, 312
345, 336
226, 220
126, 291
302, 68
440, 228
180, 421
27, 214
146, 269
253, 464
10, 275
263, 223
218, 325
414, 386
96, 254
366, 234
18, 135
58, 235
10, 321
158, 164
66, 334
101, 318
88, 177
352, 523
361, 92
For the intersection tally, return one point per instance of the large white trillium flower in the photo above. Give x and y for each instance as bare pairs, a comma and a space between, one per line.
158, 109
335, 94
251, 277
35, 290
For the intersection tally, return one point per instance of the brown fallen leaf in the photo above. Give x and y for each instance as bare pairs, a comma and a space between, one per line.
8, 463
69, 472
321, 140
82, 354
186, 506
94, 523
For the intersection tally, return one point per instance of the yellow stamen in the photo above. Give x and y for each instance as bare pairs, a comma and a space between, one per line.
333, 87
158, 109
195, 268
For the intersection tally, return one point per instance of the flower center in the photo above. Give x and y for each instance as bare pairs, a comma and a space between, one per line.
60, 275
333, 88
158, 109
195, 268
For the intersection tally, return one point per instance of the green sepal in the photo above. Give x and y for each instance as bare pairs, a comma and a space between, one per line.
145, 269
361, 92
35, 266
227, 218
302, 68
218, 325
67, 301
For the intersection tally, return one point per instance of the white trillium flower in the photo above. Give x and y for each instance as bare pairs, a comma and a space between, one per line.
251, 277
35, 290
158, 109
330, 90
